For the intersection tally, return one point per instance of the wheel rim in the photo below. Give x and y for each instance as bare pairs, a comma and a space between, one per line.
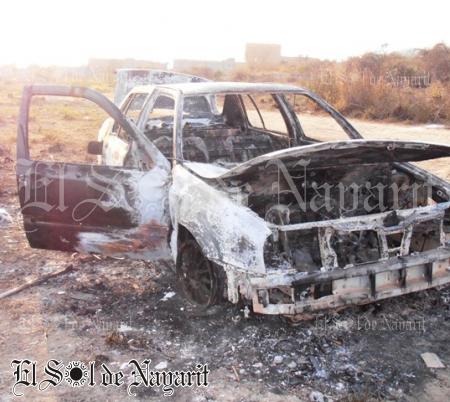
196, 275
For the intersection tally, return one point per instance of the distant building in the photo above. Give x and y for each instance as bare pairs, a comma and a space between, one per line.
188, 65
102, 68
262, 54
294, 60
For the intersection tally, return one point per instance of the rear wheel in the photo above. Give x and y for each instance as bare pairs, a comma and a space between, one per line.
201, 281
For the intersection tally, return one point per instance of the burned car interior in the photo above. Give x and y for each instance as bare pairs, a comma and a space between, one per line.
228, 136
212, 137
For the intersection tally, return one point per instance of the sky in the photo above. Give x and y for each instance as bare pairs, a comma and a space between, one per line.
69, 32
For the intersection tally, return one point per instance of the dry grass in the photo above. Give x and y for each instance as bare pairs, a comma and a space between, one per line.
365, 87
68, 121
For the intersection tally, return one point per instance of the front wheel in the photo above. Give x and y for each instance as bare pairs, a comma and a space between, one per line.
201, 281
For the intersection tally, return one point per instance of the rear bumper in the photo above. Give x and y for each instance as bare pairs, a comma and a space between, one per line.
357, 285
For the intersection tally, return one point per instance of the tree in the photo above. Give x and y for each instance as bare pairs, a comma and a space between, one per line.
437, 61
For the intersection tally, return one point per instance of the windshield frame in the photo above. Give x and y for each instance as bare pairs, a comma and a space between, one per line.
298, 137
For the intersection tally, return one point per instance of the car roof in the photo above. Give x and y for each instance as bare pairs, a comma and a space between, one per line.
197, 88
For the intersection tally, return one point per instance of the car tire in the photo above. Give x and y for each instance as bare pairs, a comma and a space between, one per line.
201, 281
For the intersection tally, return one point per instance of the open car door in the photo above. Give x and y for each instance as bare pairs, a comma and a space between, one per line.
112, 210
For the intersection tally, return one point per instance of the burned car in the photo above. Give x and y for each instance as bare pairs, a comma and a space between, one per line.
251, 203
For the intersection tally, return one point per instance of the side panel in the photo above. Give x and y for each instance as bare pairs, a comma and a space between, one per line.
228, 233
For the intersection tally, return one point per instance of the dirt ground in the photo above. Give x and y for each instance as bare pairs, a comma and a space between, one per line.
111, 311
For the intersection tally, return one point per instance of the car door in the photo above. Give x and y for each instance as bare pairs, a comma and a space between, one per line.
111, 210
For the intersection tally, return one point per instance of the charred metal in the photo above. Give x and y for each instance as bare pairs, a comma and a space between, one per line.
270, 216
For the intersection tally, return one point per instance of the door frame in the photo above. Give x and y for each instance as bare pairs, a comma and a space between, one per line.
150, 230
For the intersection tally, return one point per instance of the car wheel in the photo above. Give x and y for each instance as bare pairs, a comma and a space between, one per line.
201, 281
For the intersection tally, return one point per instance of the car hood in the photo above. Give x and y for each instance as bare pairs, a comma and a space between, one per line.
335, 153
